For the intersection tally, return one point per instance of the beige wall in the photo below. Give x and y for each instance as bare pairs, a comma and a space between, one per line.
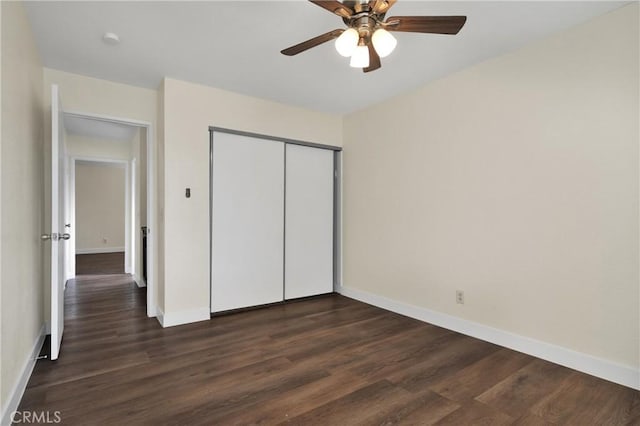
189, 110
100, 207
95, 96
82, 146
516, 181
22, 197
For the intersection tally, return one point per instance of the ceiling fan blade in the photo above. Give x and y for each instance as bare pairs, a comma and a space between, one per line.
312, 42
334, 6
374, 59
426, 24
381, 6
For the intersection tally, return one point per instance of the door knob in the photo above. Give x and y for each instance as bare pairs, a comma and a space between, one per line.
45, 237
65, 236
53, 236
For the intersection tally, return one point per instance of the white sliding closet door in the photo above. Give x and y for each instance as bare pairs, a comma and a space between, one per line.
248, 226
309, 221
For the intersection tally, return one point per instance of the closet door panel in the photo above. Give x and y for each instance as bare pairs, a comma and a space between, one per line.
247, 222
308, 221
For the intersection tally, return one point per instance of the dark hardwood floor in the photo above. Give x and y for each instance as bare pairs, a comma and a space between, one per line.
323, 361
100, 264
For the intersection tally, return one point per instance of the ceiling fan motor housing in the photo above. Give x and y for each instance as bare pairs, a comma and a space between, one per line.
365, 26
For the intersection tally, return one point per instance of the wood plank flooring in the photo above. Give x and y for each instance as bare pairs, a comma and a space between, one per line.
100, 263
323, 361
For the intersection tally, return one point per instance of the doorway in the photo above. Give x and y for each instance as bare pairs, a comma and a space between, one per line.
109, 181
100, 216
62, 198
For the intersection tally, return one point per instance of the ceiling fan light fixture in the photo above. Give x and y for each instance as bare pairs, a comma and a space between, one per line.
347, 42
366, 39
360, 57
384, 42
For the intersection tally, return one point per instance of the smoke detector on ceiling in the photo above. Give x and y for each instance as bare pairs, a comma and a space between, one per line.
111, 38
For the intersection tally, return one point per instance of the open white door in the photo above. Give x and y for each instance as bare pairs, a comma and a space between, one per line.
57, 236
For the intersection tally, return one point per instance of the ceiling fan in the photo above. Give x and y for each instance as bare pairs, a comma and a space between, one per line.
367, 37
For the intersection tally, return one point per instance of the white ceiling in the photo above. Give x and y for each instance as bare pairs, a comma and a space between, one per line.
98, 129
235, 45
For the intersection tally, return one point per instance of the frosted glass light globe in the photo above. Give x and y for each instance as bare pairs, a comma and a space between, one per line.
347, 42
360, 57
383, 42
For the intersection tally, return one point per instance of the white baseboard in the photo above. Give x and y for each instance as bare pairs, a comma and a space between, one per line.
614, 372
139, 281
15, 396
152, 311
100, 250
160, 316
183, 317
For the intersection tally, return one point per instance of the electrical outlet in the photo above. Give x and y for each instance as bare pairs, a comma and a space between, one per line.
460, 297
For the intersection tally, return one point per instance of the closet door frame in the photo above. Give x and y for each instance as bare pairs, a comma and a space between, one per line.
337, 197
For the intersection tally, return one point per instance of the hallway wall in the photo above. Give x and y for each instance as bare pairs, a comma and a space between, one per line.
100, 207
